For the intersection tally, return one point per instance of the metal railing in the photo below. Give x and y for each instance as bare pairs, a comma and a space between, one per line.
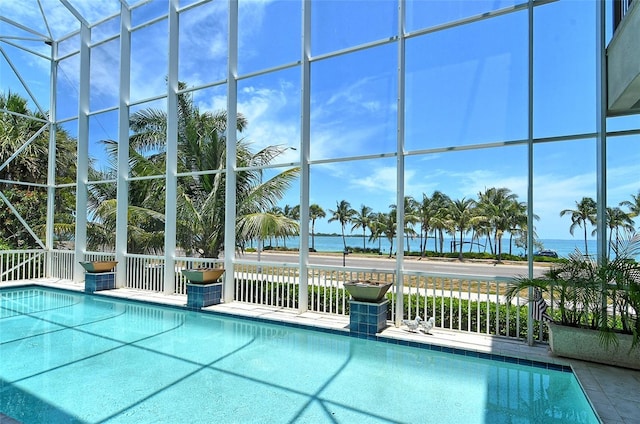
469, 304
620, 9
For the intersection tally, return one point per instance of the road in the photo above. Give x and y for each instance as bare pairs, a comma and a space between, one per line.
438, 266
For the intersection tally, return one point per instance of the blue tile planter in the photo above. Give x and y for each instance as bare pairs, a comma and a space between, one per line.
202, 295
367, 318
96, 281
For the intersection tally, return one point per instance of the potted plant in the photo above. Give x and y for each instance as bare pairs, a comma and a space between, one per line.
594, 305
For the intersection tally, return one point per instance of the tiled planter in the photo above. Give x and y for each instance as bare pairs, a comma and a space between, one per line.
367, 318
584, 344
96, 281
203, 295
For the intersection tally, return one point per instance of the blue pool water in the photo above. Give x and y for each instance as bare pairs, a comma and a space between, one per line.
71, 357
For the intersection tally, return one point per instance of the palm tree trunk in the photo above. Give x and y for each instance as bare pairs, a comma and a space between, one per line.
460, 253
586, 248
364, 239
313, 238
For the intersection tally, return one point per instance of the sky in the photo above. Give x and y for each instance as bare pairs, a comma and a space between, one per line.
464, 86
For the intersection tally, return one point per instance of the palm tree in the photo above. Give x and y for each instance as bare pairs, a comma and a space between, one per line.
441, 204
315, 212
201, 197
518, 221
633, 205
425, 213
411, 217
388, 226
617, 218
27, 132
343, 214
585, 212
376, 227
461, 216
495, 205
361, 219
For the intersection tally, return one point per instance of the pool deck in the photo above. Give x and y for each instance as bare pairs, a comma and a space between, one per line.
613, 391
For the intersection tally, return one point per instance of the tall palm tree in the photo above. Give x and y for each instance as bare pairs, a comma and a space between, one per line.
425, 213
616, 219
411, 218
495, 206
201, 197
343, 214
440, 204
315, 212
461, 216
388, 226
361, 219
376, 226
584, 213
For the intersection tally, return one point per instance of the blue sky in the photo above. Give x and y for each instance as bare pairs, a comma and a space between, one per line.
465, 86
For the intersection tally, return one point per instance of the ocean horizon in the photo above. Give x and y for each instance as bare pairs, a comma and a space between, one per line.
333, 243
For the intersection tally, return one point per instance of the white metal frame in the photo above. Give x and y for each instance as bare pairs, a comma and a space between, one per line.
305, 63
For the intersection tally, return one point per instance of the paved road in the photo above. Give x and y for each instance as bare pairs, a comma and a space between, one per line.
439, 266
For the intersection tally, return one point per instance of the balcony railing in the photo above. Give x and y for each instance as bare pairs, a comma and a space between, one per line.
620, 9
470, 304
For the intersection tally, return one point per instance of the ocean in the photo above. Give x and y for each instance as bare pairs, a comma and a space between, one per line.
335, 244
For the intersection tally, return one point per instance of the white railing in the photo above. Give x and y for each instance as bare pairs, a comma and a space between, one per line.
62, 263
146, 272
267, 283
189, 263
470, 304
22, 264
326, 287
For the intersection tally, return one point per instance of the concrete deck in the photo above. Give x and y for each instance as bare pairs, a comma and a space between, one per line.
613, 391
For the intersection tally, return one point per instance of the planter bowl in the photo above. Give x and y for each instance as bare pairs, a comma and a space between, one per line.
202, 275
367, 291
98, 266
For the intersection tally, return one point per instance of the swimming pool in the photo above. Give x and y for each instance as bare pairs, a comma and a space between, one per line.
71, 357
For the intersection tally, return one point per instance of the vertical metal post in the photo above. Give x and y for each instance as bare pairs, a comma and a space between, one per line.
601, 132
172, 153
305, 137
51, 164
231, 139
82, 175
122, 188
530, 175
400, 166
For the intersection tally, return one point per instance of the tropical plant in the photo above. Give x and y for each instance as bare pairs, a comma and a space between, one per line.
461, 217
616, 219
361, 219
202, 145
633, 205
343, 214
584, 213
440, 206
601, 294
388, 226
315, 212
24, 155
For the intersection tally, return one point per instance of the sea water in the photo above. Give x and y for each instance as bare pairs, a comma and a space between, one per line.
77, 358
335, 244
